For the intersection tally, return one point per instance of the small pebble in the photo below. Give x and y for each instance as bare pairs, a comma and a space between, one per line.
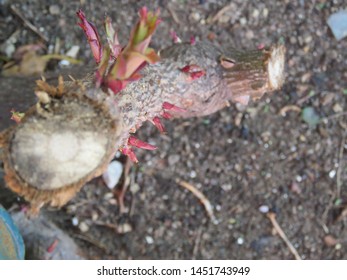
73, 51
192, 174
338, 24
226, 187
243, 21
255, 13
337, 108
332, 173
75, 221
240, 241
173, 159
264, 209
54, 10
113, 174
134, 188
265, 12
83, 227
149, 239
124, 228
330, 241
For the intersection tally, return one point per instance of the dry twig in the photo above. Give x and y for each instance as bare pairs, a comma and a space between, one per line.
174, 15
287, 108
207, 204
334, 116
338, 174
221, 12
28, 24
197, 243
272, 218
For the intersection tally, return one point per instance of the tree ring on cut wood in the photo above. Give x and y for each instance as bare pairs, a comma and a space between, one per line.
58, 147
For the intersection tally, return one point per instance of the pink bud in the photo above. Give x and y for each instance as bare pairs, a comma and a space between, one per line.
133, 141
192, 40
175, 38
156, 121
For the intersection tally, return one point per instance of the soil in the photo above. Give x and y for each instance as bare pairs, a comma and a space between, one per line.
245, 160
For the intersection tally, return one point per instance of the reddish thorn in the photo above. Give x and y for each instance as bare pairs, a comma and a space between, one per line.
173, 108
192, 40
166, 115
133, 141
52, 247
156, 121
194, 71
130, 153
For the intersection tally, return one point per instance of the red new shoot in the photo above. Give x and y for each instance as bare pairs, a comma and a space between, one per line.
92, 36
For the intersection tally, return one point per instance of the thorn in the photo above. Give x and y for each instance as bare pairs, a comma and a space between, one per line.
52, 247
166, 115
130, 153
192, 40
133, 141
194, 71
156, 121
173, 108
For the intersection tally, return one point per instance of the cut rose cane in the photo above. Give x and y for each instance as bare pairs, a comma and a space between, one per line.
133, 141
92, 36
16, 116
194, 71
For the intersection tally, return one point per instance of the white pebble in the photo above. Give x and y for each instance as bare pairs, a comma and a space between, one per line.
113, 174
332, 173
264, 209
149, 239
240, 241
74, 221
193, 174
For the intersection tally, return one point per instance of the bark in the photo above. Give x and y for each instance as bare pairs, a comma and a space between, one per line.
72, 133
